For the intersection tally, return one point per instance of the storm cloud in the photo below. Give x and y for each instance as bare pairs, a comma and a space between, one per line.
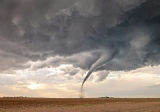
41, 33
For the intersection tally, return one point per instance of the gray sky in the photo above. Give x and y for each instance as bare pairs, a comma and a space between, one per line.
47, 47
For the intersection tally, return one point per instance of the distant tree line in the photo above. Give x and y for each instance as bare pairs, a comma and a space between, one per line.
14, 97
106, 97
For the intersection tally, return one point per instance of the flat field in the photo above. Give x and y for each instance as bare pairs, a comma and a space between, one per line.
79, 104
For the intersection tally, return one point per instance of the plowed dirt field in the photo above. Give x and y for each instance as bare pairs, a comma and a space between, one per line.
79, 105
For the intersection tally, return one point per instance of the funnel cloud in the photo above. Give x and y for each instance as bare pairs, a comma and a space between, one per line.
105, 57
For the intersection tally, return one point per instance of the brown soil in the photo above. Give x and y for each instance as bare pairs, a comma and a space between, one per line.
79, 105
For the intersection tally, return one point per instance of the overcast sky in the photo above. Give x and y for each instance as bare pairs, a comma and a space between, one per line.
49, 47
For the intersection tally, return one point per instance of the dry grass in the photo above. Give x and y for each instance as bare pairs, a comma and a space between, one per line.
79, 105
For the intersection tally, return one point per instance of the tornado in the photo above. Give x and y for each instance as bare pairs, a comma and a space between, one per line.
105, 57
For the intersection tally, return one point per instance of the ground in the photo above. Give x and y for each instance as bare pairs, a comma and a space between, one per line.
79, 105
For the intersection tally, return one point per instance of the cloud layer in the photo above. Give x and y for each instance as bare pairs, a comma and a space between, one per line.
43, 33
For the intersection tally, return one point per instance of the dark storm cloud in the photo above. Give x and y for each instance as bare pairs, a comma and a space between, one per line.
102, 75
124, 31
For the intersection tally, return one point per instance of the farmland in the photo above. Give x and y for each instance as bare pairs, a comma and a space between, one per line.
79, 104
